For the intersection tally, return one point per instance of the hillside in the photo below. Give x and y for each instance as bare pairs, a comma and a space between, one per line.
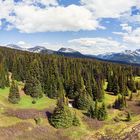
53, 97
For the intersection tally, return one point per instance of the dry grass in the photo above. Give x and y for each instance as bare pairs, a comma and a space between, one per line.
28, 113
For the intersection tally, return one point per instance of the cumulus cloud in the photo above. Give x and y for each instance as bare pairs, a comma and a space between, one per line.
53, 19
43, 2
24, 45
109, 8
130, 36
47, 15
6, 7
126, 27
133, 37
97, 45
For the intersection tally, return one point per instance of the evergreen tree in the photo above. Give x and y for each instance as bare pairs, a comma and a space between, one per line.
102, 113
115, 87
7, 80
76, 121
120, 102
3, 80
33, 88
110, 84
83, 101
14, 96
92, 112
131, 85
97, 90
61, 117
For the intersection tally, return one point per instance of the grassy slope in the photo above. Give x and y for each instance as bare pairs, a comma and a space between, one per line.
26, 101
74, 132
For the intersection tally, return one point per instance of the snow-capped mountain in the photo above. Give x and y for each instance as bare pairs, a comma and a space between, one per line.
37, 49
67, 50
13, 46
127, 56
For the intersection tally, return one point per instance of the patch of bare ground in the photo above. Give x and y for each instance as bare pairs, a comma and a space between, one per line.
134, 106
11, 132
22, 131
42, 133
132, 135
93, 123
28, 113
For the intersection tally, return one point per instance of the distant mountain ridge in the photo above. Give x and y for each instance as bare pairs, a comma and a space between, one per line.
127, 56
13, 46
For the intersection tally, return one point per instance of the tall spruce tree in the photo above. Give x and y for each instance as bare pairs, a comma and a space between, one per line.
92, 111
62, 116
33, 88
115, 87
83, 101
14, 96
120, 102
102, 113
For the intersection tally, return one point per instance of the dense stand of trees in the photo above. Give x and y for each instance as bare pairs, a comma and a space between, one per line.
81, 80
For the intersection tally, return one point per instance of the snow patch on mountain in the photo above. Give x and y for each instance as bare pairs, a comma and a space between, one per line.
67, 50
37, 49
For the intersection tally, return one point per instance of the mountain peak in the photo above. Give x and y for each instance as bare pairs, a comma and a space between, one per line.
67, 50
13, 46
37, 49
128, 56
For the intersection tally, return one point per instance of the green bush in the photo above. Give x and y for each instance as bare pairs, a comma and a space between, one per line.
37, 120
34, 102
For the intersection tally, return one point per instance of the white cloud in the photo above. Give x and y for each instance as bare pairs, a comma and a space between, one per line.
109, 8
24, 44
133, 37
126, 27
27, 16
51, 46
130, 36
6, 8
43, 2
53, 19
96, 45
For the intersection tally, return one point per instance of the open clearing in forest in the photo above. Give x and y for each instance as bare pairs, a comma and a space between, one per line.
26, 101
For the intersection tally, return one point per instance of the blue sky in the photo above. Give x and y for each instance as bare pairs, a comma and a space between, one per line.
89, 26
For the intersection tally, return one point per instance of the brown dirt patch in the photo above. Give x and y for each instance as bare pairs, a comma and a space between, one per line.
134, 107
22, 131
11, 132
27, 113
43, 133
93, 123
